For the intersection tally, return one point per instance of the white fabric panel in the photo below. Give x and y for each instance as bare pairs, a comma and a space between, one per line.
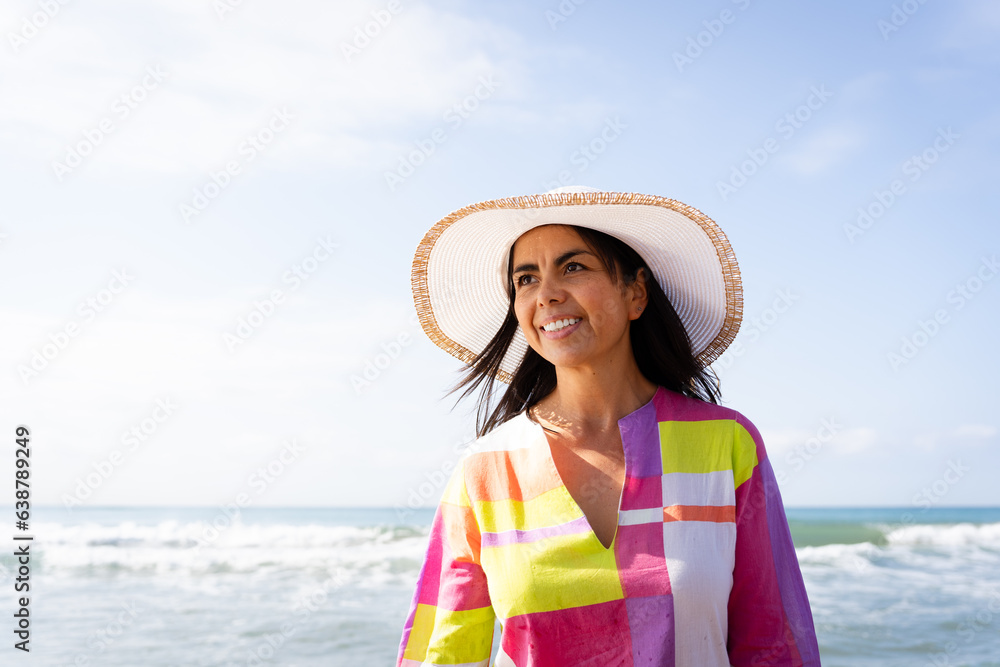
700, 558
708, 488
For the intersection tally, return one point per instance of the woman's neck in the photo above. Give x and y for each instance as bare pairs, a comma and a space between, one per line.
586, 402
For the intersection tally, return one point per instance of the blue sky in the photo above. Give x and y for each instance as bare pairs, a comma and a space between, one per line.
171, 169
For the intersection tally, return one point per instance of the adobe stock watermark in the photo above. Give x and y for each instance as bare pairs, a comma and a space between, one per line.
101, 639
562, 12
131, 440
588, 152
957, 298
431, 488
88, 309
375, 365
305, 606
967, 630
933, 493
366, 32
804, 452
33, 24
265, 307
900, 15
258, 481
123, 107
786, 126
757, 325
704, 39
925, 499
455, 117
224, 7
914, 168
247, 151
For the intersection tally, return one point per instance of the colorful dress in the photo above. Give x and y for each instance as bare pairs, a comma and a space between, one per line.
701, 571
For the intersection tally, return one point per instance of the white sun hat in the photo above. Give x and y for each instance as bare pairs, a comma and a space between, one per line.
459, 274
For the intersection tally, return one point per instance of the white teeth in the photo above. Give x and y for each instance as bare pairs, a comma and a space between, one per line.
559, 324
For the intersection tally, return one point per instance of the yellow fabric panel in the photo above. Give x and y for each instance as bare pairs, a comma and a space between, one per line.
455, 492
554, 573
696, 447
457, 637
549, 509
744, 456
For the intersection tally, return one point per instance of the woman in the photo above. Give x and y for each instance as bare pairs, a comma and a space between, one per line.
610, 513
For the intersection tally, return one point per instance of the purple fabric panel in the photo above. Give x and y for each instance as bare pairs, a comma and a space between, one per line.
641, 440
793, 591
769, 618
515, 536
649, 619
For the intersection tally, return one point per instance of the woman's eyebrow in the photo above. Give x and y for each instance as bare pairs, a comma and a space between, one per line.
560, 260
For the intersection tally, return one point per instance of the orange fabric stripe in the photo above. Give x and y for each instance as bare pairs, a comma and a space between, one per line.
519, 474
463, 539
713, 513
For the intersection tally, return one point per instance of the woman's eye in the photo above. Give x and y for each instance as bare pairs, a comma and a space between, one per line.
520, 280
574, 264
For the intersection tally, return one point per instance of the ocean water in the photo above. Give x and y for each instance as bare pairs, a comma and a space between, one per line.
310, 587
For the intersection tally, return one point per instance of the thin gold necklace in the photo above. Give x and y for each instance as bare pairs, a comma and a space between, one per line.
539, 422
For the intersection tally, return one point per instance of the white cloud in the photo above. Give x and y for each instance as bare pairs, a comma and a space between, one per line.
225, 77
975, 431
292, 378
855, 440
967, 434
864, 89
829, 436
976, 29
783, 440
941, 75
823, 149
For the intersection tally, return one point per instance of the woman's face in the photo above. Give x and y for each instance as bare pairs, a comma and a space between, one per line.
570, 311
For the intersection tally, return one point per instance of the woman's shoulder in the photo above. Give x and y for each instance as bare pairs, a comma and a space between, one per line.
496, 460
518, 432
722, 434
671, 406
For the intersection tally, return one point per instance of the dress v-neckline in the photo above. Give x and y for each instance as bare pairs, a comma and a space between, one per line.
625, 464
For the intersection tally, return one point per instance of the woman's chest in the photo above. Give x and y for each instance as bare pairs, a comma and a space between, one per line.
543, 556
673, 526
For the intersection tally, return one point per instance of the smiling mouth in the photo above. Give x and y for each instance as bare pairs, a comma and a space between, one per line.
561, 324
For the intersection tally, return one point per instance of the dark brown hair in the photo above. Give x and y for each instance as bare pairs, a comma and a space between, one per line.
659, 342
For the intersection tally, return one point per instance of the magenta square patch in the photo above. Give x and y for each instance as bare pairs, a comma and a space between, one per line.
596, 634
642, 569
642, 493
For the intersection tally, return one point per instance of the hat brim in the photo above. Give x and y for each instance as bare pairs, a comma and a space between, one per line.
459, 274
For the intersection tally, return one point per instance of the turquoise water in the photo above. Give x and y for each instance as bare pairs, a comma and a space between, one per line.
183, 586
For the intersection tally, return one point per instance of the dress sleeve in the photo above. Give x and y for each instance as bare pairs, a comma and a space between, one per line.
770, 623
451, 617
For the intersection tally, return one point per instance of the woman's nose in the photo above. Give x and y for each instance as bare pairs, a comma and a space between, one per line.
550, 290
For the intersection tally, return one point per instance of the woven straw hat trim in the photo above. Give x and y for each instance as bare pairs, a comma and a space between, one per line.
727, 260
